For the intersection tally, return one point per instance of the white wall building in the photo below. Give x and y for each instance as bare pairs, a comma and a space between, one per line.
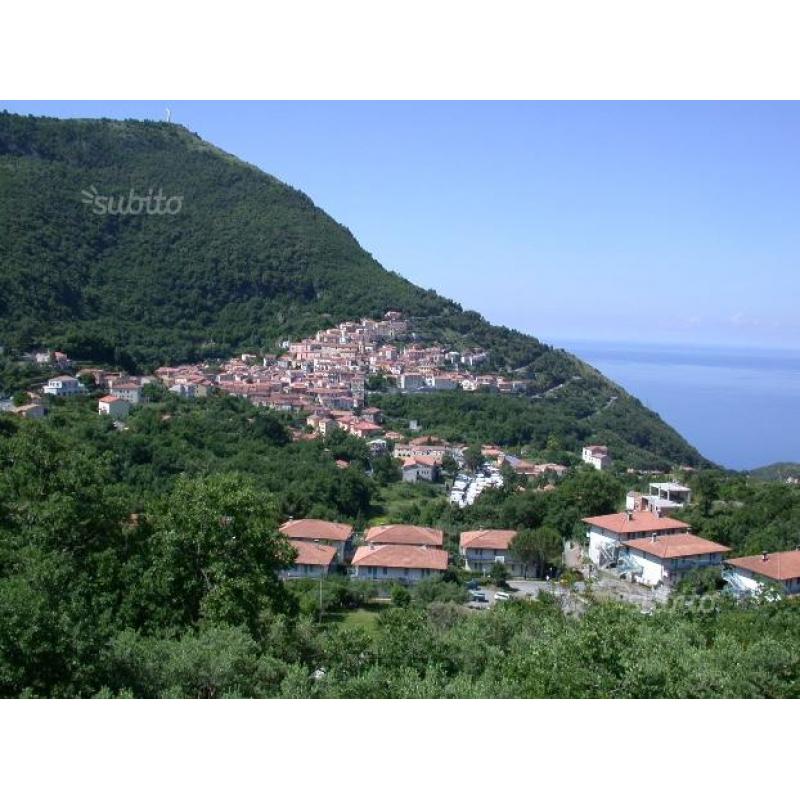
114, 407
596, 455
667, 558
752, 574
320, 531
608, 532
64, 386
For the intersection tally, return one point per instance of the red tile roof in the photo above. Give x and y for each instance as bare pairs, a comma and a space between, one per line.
109, 398
401, 556
629, 523
313, 554
316, 529
405, 535
491, 539
778, 566
678, 545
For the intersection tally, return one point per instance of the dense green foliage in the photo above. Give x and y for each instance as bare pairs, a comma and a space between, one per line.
581, 411
776, 472
143, 562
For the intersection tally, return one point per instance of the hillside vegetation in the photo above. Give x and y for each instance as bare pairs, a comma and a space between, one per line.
247, 262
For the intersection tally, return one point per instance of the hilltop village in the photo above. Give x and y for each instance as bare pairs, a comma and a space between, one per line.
323, 383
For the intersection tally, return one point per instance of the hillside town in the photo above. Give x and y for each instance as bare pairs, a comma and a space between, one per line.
322, 382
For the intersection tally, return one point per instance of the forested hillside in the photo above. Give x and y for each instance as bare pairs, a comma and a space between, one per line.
247, 261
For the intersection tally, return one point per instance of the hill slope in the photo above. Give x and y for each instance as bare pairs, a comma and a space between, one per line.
246, 261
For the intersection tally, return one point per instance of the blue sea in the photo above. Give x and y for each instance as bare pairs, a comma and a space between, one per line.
739, 407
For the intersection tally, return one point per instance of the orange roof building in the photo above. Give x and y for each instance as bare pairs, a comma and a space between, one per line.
752, 572
405, 535
397, 562
335, 534
667, 558
312, 559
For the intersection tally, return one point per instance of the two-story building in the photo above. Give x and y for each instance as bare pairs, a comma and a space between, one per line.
64, 386
752, 574
313, 560
481, 549
398, 562
114, 407
320, 531
607, 532
596, 455
665, 559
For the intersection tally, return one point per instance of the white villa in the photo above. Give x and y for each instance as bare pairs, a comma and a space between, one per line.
64, 386
608, 532
667, 558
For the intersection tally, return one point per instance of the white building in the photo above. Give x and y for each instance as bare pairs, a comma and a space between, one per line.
313, 560
667, 558
662, 498
397, 562
411, 381
132, 392
607, 533
420, 468
596, 455
64, 386
114, 407
752, 574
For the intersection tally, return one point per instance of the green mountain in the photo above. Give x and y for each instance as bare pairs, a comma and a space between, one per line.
776, 472
245, 261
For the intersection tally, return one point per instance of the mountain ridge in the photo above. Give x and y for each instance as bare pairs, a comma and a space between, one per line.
247, 261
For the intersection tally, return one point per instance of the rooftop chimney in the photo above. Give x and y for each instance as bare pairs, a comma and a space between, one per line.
764, 556
653, 537
630, 514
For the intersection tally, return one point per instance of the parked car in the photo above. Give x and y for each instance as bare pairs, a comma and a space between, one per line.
478, 597
473, 584
502, 596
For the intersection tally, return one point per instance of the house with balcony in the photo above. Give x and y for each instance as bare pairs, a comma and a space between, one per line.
64, 386
665, 559
753, 574
398, 562
482, 549
596, 455
607, 533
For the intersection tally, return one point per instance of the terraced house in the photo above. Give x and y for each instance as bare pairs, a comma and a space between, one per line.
482, 549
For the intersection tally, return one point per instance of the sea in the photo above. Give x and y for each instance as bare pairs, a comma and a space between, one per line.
740, 407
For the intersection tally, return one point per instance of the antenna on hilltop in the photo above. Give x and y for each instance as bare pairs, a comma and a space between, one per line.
169, 115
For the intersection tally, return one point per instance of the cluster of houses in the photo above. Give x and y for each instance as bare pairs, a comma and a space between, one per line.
328, 371
398, 553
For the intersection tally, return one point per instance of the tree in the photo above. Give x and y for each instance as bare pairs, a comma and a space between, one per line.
217, 553
449, 466
537, 549
473, 457
401, 597
20, 398
498, 573
707, 486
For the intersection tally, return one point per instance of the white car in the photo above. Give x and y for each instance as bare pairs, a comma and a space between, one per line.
502, 596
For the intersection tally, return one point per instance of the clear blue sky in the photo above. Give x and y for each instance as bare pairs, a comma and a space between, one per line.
653, 222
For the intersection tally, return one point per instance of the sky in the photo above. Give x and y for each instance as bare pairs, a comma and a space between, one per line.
620, 222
